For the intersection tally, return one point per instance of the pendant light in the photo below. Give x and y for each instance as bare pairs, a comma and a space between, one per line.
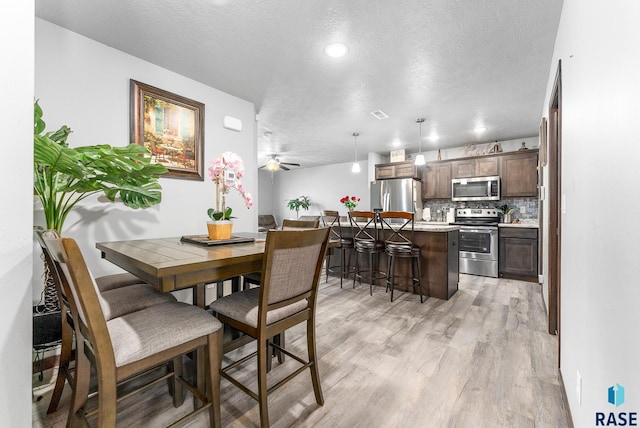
356, 165
420, 157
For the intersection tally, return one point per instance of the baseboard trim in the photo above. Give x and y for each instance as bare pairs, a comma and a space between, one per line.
565, 400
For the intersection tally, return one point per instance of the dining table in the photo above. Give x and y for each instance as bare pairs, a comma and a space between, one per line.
171, 264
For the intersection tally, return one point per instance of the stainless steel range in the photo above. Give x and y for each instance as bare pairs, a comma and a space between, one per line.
478, 248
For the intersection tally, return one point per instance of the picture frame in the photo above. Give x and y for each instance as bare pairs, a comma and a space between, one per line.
171, 127
543, 142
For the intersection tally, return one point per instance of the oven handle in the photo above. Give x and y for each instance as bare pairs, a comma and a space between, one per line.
479, 229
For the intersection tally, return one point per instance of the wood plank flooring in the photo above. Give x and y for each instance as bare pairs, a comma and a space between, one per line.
480, 359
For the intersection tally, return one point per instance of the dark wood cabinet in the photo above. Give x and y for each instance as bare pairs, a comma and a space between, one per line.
519, 174
475, 167
518, 253
405, 169
436, 180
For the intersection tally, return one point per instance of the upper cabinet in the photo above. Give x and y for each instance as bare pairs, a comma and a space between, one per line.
475, 167
519, 174
405, 169
436, 180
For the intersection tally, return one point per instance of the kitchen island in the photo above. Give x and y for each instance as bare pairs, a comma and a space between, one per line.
438, 259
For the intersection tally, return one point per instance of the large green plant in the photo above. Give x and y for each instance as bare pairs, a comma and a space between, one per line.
300, 202
64, 176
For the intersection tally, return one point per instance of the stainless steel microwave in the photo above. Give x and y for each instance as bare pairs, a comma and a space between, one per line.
475, 189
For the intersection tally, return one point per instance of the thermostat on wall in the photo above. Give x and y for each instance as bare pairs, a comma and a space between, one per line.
232, 123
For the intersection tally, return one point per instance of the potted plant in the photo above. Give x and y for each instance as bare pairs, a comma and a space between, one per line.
64, 176
506, 212
299, 202
226, 172
350, 202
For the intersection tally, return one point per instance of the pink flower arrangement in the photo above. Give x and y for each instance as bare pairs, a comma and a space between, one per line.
226, 171
350, 202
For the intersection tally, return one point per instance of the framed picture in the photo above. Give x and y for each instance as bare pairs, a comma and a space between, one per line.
543, 142
171, 127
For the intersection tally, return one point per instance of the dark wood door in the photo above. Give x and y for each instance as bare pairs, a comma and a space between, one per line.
436, 181
518, 253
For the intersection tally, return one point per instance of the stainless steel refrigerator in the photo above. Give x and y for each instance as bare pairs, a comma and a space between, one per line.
398, 194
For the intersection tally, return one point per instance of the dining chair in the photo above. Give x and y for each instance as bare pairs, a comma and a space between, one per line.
365, 230
287, 296
337, 240
399, 245
133, 344
116, 301
289, 224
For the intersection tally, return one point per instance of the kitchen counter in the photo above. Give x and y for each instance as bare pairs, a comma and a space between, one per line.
439, 261
529, 225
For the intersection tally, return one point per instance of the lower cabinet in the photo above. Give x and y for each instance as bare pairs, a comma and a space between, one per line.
518, 253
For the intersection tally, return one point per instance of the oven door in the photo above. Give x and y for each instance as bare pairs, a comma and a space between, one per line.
478, 243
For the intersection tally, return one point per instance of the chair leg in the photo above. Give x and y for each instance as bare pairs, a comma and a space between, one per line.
107, 398
342, 257
176, 386
326, 266
370, 274
392, 273
356, 271
214, 363
419, 276
80, 393
66, 345
315, 373
263, 354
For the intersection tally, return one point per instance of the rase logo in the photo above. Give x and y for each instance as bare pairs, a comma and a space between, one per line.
615, 396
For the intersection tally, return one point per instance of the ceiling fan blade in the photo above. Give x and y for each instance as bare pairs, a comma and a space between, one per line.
289, 163
260, 167
284, 167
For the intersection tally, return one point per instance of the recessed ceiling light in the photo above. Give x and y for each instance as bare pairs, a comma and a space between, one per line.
479, 129
433, 137
336, 50
396, 142
379, 114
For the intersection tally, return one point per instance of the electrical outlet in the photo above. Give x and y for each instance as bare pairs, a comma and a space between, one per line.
579, 387
523, 210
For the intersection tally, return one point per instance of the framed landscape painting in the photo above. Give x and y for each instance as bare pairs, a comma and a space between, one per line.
171, 127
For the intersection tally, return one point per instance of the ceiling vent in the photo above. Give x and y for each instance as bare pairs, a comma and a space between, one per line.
379, 114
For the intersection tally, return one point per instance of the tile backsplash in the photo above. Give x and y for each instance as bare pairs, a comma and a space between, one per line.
530, 207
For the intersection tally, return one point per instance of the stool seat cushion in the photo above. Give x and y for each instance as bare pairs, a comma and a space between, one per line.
402, 250
122, 301
150, 331
109, 282
243, 307
367, 245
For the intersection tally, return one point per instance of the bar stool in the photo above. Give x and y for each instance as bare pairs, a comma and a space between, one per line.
366, 241
399, 244
331, 219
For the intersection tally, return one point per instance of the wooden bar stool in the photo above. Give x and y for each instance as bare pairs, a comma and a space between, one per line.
399, 244
365, 239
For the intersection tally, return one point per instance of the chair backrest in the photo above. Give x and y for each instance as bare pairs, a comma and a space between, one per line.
331, 219
61, 290
400, 224
363, 230
86, 308
288, 224
291, 268
309, 217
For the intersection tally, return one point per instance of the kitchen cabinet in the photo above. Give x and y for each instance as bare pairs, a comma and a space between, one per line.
519, 174
475, 167
518, 253
436, 180
406, 169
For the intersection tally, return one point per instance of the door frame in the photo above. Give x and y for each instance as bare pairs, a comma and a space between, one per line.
555, 205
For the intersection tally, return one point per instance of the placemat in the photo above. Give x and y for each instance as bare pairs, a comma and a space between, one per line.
205, 241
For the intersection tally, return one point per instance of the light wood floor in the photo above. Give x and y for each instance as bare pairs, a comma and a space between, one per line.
480, 359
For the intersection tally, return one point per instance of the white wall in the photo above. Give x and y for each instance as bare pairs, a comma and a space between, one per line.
85, 85
16, 233
598, 44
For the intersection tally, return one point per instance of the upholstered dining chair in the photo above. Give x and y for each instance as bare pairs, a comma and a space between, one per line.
337, 240
289, 224
116, 301
138, 342
365, 230
399, 245
287, 296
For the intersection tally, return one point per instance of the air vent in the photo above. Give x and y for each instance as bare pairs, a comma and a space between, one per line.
379, 114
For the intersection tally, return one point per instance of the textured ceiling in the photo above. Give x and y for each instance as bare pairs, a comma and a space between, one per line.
458, 63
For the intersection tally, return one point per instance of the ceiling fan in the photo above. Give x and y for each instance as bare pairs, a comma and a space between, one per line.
274, 164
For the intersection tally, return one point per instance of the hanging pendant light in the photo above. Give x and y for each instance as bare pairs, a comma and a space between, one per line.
420, 157
356, 165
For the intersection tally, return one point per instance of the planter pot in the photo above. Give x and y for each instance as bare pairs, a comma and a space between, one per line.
219, 229
506, 218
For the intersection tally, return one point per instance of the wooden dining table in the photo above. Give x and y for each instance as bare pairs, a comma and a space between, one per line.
170, 264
